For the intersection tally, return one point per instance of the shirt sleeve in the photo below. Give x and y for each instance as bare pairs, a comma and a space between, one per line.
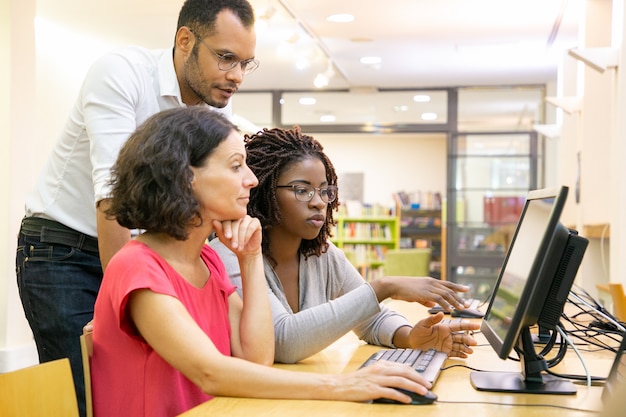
112, 92
336, 301
309, 331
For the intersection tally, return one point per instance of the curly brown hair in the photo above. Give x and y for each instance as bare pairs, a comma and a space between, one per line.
151, 179
269, 153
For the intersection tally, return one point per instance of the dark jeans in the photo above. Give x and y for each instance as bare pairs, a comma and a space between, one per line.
58, 285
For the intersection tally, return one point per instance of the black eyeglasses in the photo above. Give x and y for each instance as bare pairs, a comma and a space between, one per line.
228, 61
305, 192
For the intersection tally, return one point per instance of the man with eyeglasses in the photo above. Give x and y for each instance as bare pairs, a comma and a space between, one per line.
65, 240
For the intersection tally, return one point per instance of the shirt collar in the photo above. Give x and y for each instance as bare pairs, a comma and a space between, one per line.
168, 83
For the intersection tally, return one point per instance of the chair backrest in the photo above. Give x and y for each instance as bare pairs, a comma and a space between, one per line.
619, 300
86, 349
46, 389
408, 262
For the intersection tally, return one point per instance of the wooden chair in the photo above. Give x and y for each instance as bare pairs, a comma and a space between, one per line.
46, 389
86, 349
619, 300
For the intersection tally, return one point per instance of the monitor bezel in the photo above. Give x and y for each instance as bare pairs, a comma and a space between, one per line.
526, 312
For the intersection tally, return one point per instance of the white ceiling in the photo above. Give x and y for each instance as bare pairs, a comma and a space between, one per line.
422, 43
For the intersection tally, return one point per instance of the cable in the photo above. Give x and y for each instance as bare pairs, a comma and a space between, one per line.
591, 321
602, 312
563, 407
564, 336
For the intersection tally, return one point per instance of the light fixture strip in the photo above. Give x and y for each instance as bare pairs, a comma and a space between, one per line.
315, 38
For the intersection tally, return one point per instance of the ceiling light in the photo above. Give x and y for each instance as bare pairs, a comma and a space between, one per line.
323, 79
307, 101
340, 18
371, 60
421, 98
429, 116
327, 118
303, 63
320, 81
400, 109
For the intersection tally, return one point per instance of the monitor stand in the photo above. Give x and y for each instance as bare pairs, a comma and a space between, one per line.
530, 381
543, 336
514, 382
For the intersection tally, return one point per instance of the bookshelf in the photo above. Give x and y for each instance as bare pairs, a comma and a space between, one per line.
422, 228
365, 239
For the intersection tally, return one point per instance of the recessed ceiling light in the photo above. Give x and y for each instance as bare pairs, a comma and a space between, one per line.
421, 98
402, 108
328, 118
307, 101
340, 18
371, 60
429, 116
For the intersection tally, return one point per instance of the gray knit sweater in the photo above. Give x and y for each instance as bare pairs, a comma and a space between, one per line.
334, 299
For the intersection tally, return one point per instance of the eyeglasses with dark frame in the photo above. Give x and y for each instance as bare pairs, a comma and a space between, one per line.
228, 61
305, 192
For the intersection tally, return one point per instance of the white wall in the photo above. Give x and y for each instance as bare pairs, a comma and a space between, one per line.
596, 135
390, 163
42, 67
17, 78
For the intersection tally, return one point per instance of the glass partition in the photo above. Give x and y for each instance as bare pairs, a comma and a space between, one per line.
489, 109
252, 110
492, 173
364, 107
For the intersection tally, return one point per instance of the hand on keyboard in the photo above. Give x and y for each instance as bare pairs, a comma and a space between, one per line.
453, 338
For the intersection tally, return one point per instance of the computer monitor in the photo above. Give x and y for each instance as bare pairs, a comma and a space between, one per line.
533, 285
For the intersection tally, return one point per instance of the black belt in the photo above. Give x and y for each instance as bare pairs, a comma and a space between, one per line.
51, 231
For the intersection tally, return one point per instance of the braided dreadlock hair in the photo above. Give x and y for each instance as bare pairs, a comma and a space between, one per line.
269, 153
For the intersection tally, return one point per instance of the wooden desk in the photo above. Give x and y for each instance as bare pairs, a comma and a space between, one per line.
457, 397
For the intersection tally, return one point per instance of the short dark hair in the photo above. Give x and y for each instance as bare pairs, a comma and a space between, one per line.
269, 153
200, 15
151, 179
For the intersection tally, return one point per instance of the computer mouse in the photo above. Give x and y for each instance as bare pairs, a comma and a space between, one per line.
436, 309
468, 313
416, 399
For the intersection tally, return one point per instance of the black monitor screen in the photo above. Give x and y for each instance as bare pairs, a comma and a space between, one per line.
522, 267
533, 285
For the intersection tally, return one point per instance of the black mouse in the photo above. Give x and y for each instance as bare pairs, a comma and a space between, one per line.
468, 313
416, 399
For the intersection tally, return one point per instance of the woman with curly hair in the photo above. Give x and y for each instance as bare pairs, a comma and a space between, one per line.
169, 329
316, 295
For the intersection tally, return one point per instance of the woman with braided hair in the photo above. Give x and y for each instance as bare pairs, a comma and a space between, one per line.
316, 294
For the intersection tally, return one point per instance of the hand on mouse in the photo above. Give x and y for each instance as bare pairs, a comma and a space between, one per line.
380, 380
